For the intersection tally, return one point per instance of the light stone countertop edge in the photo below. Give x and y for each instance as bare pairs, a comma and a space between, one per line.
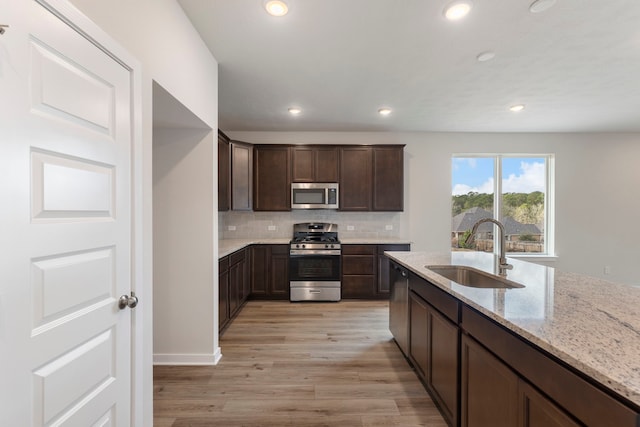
229, 246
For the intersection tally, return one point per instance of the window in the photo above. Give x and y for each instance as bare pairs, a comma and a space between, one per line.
522, 183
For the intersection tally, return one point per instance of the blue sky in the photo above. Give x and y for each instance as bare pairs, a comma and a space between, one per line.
519, 175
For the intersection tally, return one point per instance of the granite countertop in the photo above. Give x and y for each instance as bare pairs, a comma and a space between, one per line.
591, 324
229, 246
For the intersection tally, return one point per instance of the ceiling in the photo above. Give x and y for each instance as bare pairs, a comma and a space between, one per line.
575, 66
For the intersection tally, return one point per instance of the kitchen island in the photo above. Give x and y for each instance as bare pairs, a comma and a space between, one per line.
589, 326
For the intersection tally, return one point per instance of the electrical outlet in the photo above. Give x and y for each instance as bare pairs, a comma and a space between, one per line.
388, 227
607, 269
271, 228
232, 228
350, 228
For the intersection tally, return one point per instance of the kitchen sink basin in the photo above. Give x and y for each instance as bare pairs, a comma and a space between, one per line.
472, 277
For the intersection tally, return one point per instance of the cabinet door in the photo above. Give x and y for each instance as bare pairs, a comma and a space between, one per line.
259, 270
235, 287
388, 179
224, 182
538, 411
442, 377
246, 277
355, 179
223, 293
241, 176
489, 394
272, 184
326, 162
302, 164
419, 334
279, 277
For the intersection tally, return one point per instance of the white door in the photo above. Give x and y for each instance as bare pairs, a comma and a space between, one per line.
65, 225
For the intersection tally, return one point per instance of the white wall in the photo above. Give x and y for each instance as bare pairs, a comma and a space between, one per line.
183, 193
159, 35
597, 203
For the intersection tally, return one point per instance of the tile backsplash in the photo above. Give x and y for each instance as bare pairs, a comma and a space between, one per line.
255, 225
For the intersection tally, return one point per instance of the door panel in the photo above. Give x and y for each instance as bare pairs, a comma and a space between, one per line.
65, 222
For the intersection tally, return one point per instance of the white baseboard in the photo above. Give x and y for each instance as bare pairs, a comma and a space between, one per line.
187, 359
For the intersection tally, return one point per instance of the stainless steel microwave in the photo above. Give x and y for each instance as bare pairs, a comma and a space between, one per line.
314, 195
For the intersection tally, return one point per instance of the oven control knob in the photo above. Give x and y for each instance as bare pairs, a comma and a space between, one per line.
304, 246
298, 246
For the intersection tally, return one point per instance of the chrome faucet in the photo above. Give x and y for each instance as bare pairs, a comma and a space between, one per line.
503, 266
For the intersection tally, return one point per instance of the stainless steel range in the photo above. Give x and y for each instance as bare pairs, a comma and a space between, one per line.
314, 262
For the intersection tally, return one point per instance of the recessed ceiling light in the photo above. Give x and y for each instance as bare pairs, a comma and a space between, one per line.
516, 108
486, 56
457, 10
541, 5
276, 8
295, 111
384, 111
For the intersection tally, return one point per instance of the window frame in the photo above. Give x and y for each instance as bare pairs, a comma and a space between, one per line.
549, 197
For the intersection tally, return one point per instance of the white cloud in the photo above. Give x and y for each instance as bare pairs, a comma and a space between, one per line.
485, 187
531, 179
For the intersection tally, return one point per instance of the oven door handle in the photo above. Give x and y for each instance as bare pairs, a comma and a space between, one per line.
314, 252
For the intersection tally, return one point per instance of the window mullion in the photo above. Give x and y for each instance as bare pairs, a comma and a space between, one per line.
497, 198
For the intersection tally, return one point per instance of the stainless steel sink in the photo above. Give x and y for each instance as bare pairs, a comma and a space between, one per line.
472, 277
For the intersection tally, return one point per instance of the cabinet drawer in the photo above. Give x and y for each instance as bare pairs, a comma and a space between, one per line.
359, 249
358, 264
439, 299
358, 286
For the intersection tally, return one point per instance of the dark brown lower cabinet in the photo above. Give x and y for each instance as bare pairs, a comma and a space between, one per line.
359, 271
223, 293
443, 377
559, 395
489, 389
365, 270
233, 285
538, 411
481, 374
433, 349
238, 280
270, 271
494, 395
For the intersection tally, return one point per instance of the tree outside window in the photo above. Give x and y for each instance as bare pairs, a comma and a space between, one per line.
522, 185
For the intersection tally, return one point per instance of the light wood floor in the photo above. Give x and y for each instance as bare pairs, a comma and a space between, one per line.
299, 364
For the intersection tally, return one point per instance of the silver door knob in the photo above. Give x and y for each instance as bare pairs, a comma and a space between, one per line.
128, 301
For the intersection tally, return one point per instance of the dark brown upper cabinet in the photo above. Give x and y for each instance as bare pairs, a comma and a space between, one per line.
241, 176
355, 178
314, 164
272, 178
372, 178
388, 178
235, 172
224, 177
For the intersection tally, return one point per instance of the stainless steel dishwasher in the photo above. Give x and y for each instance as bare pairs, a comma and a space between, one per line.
399, 305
